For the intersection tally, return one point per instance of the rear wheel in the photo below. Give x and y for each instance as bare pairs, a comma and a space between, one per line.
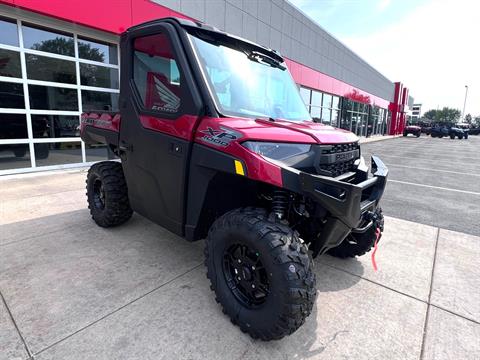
404, 133
20, 151
418, 134
41, 151
358, 244
261, 273
460, 136
452, 136
107, 194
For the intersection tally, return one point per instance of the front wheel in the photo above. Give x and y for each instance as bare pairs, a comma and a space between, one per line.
107, 194
452, 136
358, 244
417, 135
261, 272
460, 137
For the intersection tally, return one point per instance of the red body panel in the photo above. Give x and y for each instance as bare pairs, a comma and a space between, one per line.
259, 168
103, 121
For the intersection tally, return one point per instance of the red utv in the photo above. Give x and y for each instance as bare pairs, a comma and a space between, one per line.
215, 142
412, 129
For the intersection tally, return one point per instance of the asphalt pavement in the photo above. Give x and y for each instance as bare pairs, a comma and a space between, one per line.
432, 181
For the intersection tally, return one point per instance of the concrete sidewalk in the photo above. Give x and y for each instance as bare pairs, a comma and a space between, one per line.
72, 290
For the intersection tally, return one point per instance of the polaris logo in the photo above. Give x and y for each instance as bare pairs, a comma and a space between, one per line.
345, 156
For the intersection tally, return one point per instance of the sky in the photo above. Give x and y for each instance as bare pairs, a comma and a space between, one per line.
432, 46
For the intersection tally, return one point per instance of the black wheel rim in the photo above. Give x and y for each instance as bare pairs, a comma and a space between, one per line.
246, 276
98, 195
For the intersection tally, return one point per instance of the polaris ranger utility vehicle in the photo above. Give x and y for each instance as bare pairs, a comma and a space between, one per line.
215, 142
412, 129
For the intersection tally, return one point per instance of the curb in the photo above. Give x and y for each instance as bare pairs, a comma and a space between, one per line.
378, 138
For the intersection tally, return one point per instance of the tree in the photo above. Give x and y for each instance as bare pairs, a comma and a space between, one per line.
447, 116
66, 46
431, 114
468, 119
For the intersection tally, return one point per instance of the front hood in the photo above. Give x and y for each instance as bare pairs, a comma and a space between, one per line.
319, 133
306, 132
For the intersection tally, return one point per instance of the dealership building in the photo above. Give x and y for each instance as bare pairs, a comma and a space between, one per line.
61, 58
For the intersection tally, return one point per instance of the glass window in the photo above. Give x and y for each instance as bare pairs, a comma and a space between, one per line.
98, 152
37, 38
14, 156
50, 69
10, 63
11, 96
156, 73
97, 51
52, 98
327, 100
8, 32
315, 112
335, 116
346, 121
98, 100
248, 84
99, 76
305, 93
326, 113
347, 104
316, 98
13, 126
55, 126
335, 102
58, 153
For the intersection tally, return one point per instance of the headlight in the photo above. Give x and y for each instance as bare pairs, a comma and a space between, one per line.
277, 151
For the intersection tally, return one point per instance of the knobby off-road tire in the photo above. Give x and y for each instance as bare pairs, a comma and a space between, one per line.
107, 194
358, 244
279, 255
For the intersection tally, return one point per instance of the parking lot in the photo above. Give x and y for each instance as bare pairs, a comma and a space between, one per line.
72, 290
432, 181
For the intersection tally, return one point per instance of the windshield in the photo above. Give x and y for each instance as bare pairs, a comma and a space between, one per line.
249, 84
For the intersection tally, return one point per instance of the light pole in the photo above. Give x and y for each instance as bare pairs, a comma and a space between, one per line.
465, 101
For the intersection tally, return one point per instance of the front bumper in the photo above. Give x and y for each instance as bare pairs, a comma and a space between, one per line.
347, 201
350, 199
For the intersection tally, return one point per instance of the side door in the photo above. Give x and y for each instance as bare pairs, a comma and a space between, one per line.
160, 106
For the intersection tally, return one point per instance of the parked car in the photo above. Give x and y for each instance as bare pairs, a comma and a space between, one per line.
412, 129
441, 131
474, 131
458, 132
426, 129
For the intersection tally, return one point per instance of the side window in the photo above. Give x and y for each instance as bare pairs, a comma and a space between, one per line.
156, 74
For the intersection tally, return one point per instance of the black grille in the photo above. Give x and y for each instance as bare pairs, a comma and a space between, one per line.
338, 167
338, 148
